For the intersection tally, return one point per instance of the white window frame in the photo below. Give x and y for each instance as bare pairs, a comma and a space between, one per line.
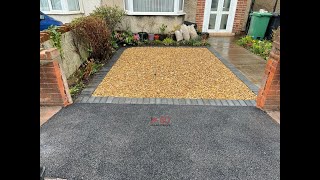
175, 12
65, 8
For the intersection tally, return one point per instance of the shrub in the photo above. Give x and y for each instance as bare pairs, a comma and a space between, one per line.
162, 28
261, 48
247, 40
123, 38
55, 37
168, 41
112, 15
93, 33
80, 78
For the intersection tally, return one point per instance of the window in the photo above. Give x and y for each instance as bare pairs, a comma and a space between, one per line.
60, 6
154, 7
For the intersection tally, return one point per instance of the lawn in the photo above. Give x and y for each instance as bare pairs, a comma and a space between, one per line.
160, 72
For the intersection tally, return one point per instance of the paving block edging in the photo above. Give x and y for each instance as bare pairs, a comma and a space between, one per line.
86, 94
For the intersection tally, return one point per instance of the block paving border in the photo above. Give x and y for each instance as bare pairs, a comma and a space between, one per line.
86, 94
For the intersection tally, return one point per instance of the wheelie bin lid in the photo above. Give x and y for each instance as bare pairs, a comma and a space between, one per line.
260, 14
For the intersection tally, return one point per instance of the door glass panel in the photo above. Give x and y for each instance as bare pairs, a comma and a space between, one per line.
226, 5
224, 20
212, 21
214, 5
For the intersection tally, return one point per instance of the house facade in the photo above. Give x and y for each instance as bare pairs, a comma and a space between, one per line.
218, 17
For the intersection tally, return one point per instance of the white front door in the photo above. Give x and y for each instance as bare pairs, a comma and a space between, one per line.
219, 15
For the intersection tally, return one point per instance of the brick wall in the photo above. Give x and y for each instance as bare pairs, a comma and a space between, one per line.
200, 13
54, 89
240, 16
239, 19
269, 94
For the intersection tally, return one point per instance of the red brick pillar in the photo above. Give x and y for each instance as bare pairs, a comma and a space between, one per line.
269, 94
239, 16
200, 13
54, 89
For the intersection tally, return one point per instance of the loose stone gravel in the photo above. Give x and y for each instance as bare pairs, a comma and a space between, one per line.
157, 72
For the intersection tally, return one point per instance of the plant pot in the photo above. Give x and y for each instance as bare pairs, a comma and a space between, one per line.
204, 36
156, 37
151, 37
136, 37
173, 36
162, 37
143, 36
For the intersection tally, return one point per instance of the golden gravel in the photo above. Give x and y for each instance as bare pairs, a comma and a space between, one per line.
152, 72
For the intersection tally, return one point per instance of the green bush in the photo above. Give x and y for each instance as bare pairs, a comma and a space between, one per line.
75, 90
261, 48
123, 38
112, 15
78, 79
168, 41
55, 37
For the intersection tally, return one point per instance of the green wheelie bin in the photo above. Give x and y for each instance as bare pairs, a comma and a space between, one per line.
258, 25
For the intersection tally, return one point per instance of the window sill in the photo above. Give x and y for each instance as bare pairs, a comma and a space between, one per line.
62, 13
155, 13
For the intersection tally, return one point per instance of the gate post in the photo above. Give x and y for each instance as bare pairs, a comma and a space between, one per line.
269, 93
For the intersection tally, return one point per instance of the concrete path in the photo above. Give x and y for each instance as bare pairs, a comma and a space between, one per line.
251, 65
116, 141
46, 112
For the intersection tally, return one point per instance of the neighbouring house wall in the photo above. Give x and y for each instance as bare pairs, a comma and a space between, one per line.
266, 5
113, 3
190, 10
269, 94
54, 90
71, 60
65, 18
136, 23
87, 5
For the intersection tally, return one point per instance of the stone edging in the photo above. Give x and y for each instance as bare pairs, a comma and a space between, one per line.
86, 94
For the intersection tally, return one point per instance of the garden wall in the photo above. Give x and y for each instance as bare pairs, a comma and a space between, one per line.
54, 89
269, 93
70, 60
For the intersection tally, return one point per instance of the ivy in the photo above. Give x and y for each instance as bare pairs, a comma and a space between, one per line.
55, 37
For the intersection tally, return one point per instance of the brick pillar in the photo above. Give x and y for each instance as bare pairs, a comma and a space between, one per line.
269, 94
240, 17
54, 89
200, 13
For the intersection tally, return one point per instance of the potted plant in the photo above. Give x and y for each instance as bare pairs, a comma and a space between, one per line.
156, 36
151, 23
142, 35
204, 35
136, 36
162, 29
